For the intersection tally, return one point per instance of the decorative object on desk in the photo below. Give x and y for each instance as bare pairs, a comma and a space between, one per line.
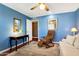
74, 30
52, 24
17, 24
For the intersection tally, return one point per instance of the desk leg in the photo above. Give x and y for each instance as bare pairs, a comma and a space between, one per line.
28, 39
23, 40
16, 45
10, 45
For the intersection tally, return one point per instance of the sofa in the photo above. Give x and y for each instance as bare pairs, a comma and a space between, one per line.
69, 46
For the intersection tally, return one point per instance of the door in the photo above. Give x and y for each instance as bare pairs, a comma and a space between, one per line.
29, 28
35, 30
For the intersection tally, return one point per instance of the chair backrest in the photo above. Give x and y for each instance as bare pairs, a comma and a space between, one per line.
50, 34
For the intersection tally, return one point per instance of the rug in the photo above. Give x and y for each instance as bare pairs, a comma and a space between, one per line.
33, 50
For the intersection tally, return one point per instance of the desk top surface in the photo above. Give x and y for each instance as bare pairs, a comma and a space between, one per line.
19, 36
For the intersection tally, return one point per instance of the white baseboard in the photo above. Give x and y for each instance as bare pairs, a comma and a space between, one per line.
9, 48
4, 50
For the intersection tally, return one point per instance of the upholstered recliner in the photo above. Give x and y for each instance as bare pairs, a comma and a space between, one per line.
47, 40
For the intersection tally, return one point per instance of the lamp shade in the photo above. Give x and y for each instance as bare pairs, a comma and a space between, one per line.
74, 30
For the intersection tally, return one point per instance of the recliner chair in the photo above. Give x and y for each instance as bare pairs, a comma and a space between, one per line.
47, 40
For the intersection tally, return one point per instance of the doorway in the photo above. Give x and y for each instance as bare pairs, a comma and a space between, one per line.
29, 28
35, 30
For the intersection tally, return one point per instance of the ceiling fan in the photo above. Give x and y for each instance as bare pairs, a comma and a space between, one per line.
42, 6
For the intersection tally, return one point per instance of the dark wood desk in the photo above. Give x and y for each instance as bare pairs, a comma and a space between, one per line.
16, 38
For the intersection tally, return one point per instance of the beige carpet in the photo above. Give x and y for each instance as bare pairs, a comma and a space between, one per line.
33, 50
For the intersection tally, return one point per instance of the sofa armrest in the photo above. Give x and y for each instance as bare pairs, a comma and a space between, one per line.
63, 40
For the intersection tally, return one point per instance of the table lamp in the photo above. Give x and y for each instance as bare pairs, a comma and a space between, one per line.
74, 30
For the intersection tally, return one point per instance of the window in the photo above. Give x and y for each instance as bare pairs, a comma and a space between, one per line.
52, 24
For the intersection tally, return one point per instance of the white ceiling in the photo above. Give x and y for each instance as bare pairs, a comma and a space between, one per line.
54, 8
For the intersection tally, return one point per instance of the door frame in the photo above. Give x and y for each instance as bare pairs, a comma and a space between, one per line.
38, 26
30, 37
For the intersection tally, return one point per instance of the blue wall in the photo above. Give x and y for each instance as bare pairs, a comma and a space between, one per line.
77, 18
6, 24
65, 22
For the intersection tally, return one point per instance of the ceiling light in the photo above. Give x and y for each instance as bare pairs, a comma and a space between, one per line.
42, 6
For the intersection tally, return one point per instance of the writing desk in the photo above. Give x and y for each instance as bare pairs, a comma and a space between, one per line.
16, 38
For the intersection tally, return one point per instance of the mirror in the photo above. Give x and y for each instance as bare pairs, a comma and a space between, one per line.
52, 24
17, 25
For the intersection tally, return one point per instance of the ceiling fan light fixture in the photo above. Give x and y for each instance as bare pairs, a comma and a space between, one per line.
42, 6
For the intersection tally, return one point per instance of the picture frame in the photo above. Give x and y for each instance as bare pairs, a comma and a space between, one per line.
17, 24
52, 24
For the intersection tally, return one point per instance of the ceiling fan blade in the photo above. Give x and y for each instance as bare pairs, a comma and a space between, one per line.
46, 8
34, 7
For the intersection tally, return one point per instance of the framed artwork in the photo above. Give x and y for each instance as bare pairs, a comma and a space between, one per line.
17, 24
52, 24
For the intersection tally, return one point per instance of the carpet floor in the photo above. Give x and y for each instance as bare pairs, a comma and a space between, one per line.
33, 50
